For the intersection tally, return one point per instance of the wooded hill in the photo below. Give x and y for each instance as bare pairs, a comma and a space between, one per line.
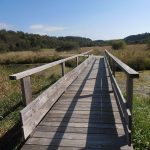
137, 39
19, 41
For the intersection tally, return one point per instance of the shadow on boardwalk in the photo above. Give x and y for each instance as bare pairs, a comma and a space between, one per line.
99, 126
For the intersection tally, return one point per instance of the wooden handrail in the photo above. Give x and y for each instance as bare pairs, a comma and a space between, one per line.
43, 67
25, 75
131, 74
126, 105
129, 71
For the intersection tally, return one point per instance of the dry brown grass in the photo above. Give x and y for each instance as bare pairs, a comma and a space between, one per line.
43, 56
136, 56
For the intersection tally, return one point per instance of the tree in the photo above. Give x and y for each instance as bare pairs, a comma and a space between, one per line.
148, 43
120, 44
66, 46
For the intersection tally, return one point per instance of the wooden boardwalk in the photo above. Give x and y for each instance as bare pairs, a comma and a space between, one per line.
85, 117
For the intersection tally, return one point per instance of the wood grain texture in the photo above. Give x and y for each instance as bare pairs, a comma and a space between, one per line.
26, 90
126, 112
85, 117
35, 111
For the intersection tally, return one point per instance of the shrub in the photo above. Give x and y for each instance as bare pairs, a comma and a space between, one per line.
148, 43
66, 46
118, 45
3, 47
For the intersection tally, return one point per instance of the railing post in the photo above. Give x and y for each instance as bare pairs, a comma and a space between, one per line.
77, 60
129, 92
63, 68
26, 90
129, 99
113, 68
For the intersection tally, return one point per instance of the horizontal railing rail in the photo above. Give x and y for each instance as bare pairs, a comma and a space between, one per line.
25, 75
125, 104
44, 67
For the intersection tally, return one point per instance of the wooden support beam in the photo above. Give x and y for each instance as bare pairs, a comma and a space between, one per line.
63, 68
26, 90
77, 60
129, 92
113, 68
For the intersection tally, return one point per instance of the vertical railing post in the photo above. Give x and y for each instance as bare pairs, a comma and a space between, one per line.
129, 99
77, 61
113, 68
129, 92
26, 90
63, 68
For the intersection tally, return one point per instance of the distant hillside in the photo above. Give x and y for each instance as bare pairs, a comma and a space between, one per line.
20, 41
139, 38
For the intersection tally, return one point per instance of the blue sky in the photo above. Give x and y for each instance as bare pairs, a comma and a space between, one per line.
96, 19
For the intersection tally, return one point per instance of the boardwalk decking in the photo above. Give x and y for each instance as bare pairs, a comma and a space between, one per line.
85, 117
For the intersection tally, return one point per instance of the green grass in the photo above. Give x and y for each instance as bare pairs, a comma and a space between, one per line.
141, 109
10, 91
141, 123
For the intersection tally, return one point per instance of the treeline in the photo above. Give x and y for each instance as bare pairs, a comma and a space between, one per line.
137, 39
20, 41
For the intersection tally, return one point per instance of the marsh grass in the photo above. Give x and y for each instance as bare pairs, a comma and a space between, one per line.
136, 56
10, 92
141, 109
141, 123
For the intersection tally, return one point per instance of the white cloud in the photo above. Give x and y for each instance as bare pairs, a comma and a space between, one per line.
4, 26
45, 29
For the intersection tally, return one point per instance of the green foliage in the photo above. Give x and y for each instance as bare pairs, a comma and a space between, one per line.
68, 46
20, 41
120, 44
141, 123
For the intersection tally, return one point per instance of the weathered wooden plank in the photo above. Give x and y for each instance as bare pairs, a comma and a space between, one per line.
63, 68
34, 112
77, 61
123, 106
75, 136
90, 109
85, 112
87, 102
86, 105
121, 99
78, 143
85, 125
83, 130
43, 67
81, 120
84, 116
43, 147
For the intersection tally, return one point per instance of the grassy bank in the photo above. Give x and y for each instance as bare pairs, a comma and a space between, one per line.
141, 108
10, 92
141, 123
